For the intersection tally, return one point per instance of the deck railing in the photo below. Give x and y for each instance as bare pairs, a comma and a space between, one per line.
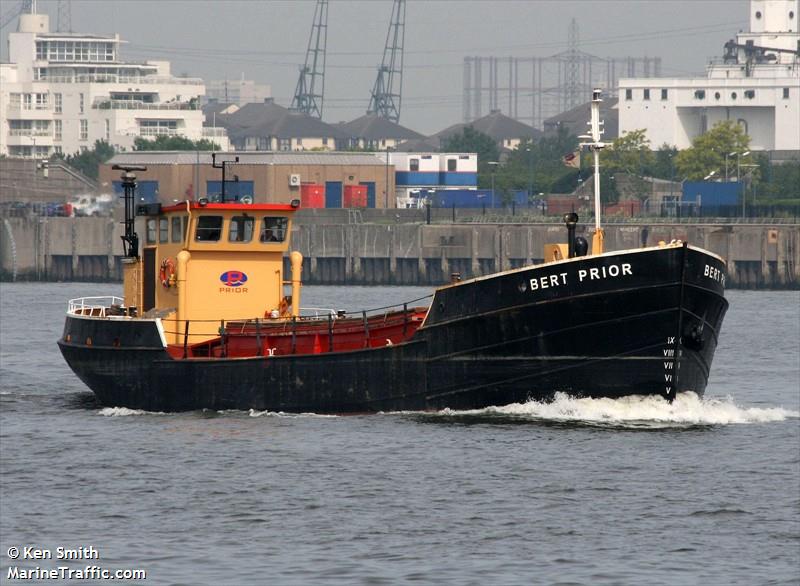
219, 331
93, 306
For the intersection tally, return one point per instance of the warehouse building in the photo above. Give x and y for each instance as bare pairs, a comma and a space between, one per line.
318, 179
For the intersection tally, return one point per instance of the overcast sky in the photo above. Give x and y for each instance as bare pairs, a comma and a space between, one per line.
266, 40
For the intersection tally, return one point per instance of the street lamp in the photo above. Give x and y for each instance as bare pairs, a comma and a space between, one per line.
493, 166
386, 189
529, 150
709, 176
727, 176
739, 164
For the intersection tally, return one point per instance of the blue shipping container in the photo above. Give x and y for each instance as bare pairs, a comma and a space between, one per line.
712, 193
474, 198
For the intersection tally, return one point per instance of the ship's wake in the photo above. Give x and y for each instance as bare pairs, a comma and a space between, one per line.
634, 412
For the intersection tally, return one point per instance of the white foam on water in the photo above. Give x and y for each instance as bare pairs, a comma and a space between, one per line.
125, 412
254, 413
638, 410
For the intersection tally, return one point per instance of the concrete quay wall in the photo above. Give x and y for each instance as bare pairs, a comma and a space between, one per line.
89, 249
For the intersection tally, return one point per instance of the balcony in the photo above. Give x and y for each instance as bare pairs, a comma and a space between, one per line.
16, 108
29, 132
31, 140
132, 105
214, 132
114, 78
146, 131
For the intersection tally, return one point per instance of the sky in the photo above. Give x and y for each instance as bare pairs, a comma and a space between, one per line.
266, 41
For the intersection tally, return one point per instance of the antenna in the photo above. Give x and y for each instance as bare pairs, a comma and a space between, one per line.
130, 240
310, 89
596, 145
386, 94
65, 16
222, 165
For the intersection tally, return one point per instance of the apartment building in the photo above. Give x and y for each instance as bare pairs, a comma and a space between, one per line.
61, 92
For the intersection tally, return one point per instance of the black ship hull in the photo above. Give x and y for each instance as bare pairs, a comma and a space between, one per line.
643, 322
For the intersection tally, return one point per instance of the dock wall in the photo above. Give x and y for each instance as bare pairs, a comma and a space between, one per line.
88, 249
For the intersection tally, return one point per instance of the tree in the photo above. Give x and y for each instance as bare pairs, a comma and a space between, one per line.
629, 153
778, 183
470, 140
710, 151
173, 143
88, 162
664, 162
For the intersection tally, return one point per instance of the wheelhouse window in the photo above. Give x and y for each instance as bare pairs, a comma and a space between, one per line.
177, 229
273, 229
628, 94
151, 231
241, 229
413, 164
163, 230
664, 94
452, 164
209, 229
646, 94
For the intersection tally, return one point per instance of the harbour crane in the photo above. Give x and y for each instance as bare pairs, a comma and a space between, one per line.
310, 91
387, 92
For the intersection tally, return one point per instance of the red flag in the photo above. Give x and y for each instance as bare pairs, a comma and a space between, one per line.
572, 159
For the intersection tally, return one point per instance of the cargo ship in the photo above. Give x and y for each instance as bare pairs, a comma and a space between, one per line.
209, 320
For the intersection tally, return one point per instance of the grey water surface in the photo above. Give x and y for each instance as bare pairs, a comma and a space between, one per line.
634, 491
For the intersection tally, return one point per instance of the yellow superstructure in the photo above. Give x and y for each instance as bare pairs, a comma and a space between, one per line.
203, 265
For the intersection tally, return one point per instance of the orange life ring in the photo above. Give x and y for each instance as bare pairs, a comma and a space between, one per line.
167, 273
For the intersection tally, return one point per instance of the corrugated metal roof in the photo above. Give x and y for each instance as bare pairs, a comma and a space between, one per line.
245, 158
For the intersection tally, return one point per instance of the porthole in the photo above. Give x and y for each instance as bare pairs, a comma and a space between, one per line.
717, 96
733, 95
791, 14
758, 14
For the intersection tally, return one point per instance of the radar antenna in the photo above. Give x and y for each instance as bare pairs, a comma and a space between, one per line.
309, 94
386, 94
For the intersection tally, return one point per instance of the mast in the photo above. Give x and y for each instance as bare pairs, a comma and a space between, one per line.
595, 145
130, 240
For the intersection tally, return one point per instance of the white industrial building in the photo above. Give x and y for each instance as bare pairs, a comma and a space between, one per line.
418, 175
63, 91
756, 83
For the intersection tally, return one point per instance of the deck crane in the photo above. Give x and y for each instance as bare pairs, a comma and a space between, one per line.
386, 94
310, 89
